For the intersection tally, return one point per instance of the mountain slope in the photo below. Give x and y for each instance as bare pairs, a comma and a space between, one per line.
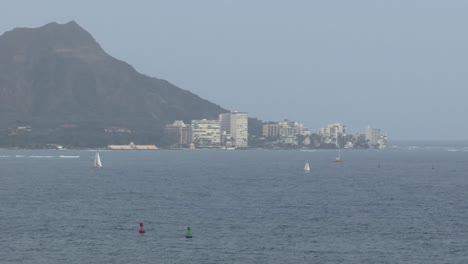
59, 75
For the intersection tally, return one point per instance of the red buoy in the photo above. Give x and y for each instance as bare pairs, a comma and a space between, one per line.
142, 229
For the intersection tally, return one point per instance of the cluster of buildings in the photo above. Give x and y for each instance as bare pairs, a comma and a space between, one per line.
376, 138
332, 132
230, 130
284, 132
294, 134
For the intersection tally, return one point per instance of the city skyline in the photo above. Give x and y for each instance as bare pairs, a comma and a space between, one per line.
231, 131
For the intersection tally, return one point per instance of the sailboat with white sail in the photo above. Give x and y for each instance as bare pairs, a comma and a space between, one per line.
306, 167
338, 159
97, 161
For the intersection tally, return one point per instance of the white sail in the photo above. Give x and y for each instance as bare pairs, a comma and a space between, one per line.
338, 159
306, 167
339, 148
97, 160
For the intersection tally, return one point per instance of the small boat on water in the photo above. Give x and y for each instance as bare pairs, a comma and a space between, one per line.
338, 159
306, 167
68, 157
97, 161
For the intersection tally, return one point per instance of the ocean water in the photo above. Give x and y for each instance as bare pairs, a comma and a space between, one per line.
402, 205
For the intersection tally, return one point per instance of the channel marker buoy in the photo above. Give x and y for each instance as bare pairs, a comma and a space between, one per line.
188, 234
142, 229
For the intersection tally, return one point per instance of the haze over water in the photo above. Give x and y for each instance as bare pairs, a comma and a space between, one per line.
244, 206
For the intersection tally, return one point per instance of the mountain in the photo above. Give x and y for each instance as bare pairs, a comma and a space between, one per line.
59, 81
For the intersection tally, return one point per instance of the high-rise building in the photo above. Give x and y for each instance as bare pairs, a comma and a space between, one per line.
333, 130
376, 138
179, 132
225, 123
271, 130
235, 124
285, 130
206, 133
290, 128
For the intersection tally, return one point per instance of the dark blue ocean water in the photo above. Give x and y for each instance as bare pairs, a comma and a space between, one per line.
244, 207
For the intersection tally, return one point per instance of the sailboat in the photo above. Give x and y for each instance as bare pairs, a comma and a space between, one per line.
338, 159
306, 167
97, 161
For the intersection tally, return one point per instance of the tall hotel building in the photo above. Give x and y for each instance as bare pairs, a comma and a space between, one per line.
235, 124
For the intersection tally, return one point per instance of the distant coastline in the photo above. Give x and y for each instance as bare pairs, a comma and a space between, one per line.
391, 145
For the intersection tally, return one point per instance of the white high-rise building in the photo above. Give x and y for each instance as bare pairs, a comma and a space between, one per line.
333, 130
235, 124
376, 138
290, 128
286, 131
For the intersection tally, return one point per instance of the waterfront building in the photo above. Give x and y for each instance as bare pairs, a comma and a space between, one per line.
271, 130
289, 140
285, 131
179, 132
376, 138
206, 133
236, 124
333, 130
290, 128
227, 140
305, 132
225, 123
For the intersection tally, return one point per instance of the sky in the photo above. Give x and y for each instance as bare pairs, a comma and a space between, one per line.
398, 65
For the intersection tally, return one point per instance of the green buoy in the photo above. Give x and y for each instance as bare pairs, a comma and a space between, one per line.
188, 234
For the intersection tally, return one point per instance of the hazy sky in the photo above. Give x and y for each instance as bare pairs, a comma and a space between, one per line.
399, 65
